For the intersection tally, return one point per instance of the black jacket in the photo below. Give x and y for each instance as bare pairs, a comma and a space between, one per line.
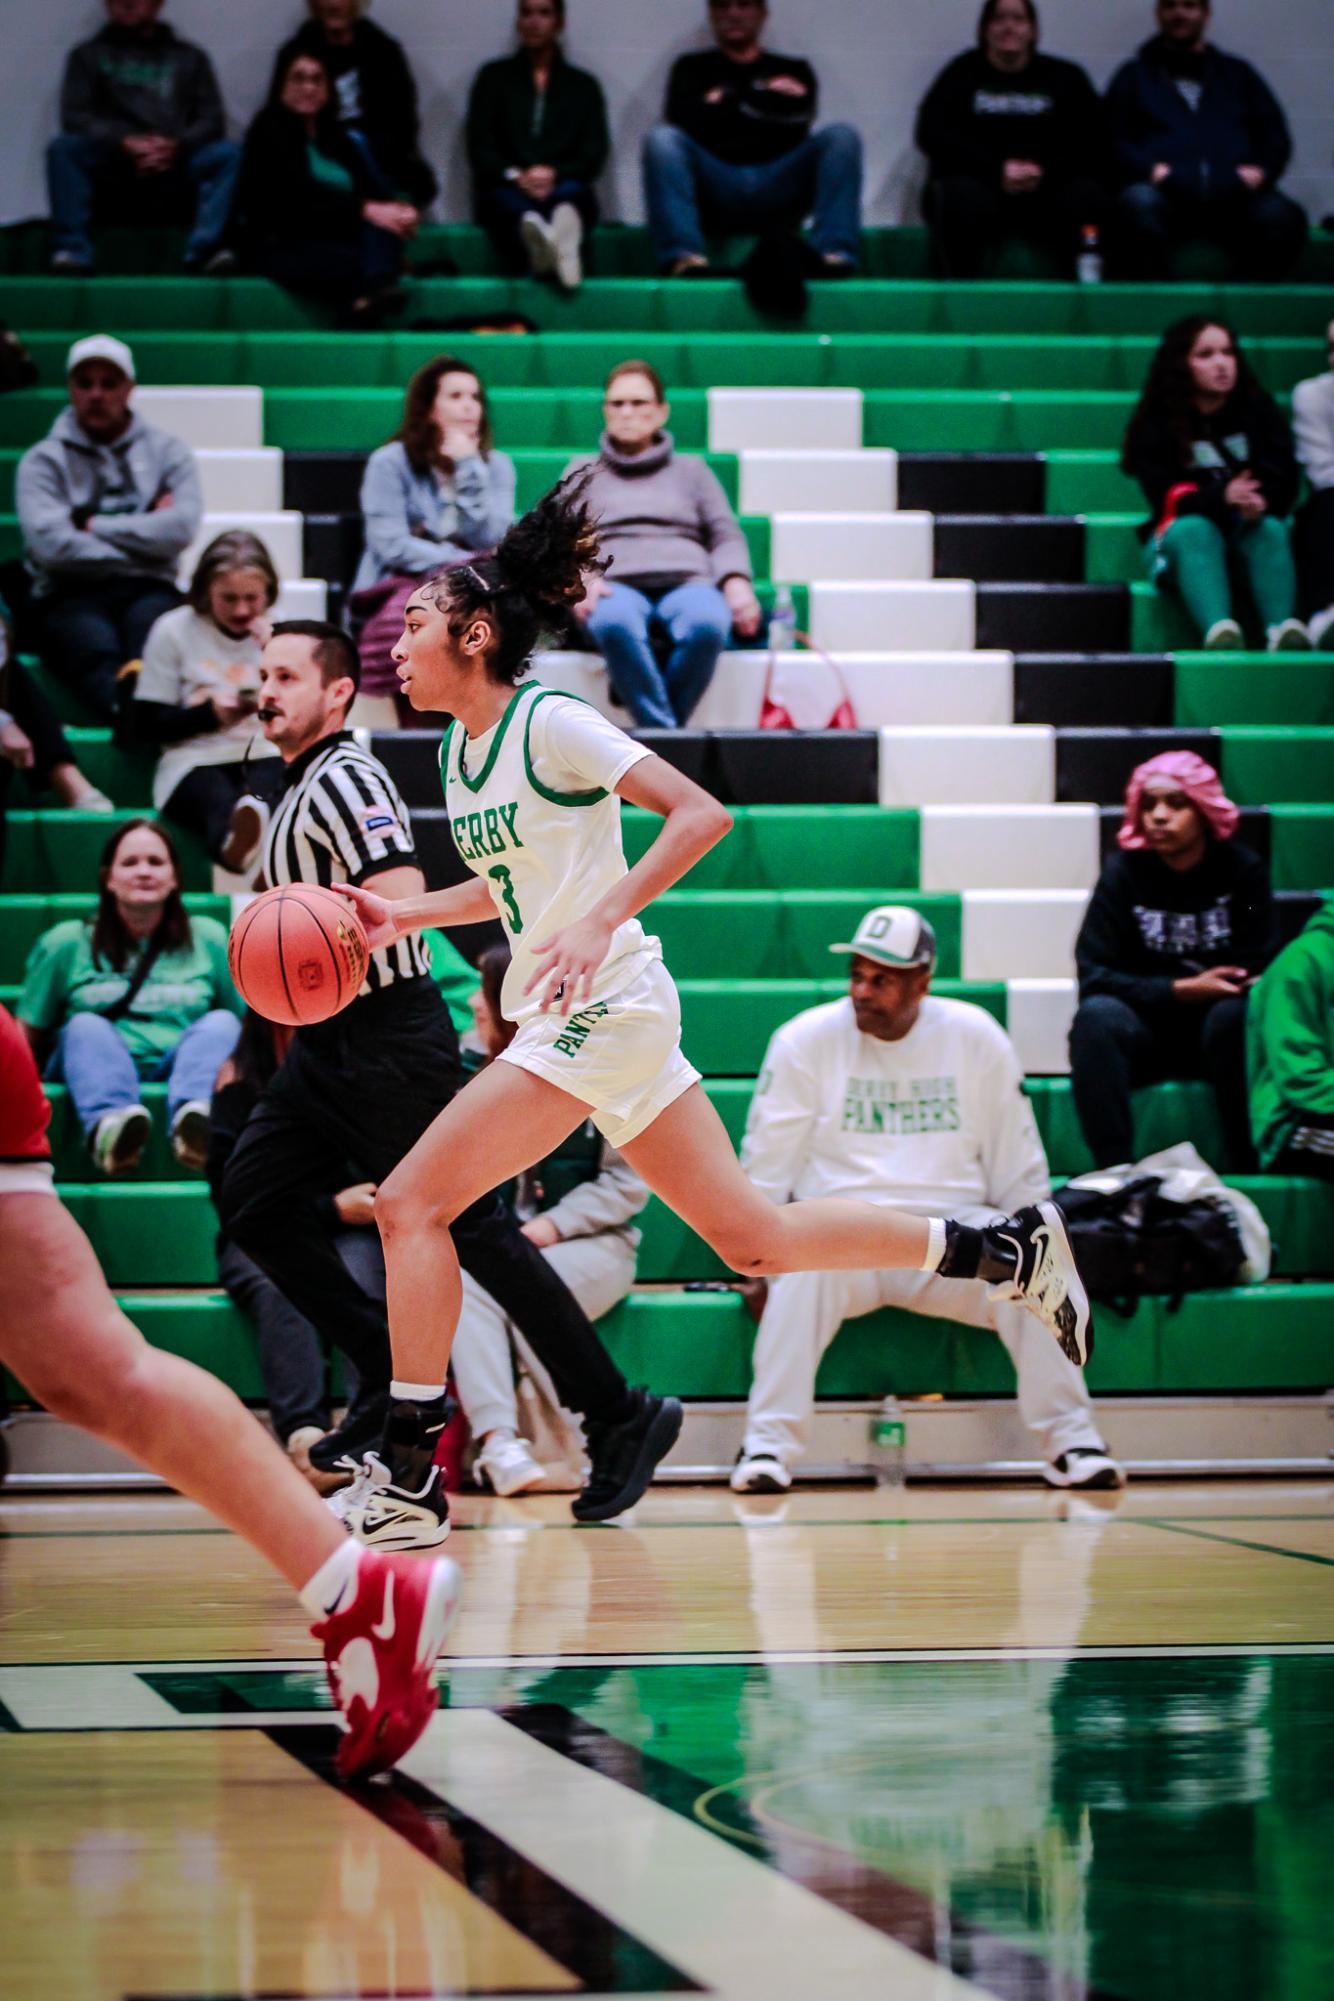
1148, 924
751, 124
976, 117
374, 92
570, 136
1239, 121
1247, 432
119, 84
280, 199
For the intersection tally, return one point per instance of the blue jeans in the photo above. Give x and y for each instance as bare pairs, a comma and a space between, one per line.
74, 162
821, 177
502, 207
697, 621
94, 1061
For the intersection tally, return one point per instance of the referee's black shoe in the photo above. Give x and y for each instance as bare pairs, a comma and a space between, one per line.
625, 1456
360, 1432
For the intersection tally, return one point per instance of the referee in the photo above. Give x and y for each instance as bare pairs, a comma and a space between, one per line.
362, 1087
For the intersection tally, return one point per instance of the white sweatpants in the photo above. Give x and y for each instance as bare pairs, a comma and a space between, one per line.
805, 1310
599, 1271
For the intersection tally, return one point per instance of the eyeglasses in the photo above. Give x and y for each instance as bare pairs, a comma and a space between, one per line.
631, 403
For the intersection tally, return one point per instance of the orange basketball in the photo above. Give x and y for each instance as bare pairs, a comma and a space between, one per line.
297, 954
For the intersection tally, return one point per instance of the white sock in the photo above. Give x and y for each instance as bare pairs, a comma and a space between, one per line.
334, 1582
935, 1244
503, 1434
416, 1392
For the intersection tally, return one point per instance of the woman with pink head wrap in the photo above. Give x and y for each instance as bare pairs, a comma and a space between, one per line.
1180, 923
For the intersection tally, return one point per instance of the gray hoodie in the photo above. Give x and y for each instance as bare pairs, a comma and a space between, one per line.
662, 519
121, 481
122, 82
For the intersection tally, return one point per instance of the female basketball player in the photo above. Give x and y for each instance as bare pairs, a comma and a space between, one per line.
533, 783
382, 1619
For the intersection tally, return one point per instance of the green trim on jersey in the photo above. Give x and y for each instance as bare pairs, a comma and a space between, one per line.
442, 758
476, 784
593, 798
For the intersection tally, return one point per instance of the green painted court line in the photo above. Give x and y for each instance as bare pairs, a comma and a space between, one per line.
1240, 1542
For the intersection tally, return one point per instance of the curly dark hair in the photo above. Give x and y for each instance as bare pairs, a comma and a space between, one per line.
419, 434
529, 585
112, 943
1167, 400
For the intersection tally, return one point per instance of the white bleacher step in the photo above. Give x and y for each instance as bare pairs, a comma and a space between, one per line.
863, 481
785, 419
967, 765
281, 534
241, 481
834, 547
1009, 847
205, 417
903, 617
1038, 1015
302, 597
1021, 934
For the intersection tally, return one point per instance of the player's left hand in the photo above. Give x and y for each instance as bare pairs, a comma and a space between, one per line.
376, 913
569, 960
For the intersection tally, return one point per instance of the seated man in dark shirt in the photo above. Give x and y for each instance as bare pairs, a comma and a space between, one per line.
738, 145
1199, 143
1179, 925
1014, 146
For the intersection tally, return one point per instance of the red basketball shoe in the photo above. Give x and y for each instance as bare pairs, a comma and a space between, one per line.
381, 1651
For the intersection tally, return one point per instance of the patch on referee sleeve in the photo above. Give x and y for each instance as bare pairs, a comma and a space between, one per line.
378, 820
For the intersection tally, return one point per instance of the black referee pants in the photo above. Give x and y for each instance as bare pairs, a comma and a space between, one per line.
362, 1089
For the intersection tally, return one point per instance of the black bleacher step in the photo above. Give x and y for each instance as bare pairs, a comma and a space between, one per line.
323, 482
412, 759
973, 482
1085, 690
1253, 830
1096, 763
331, 546
1294, 909
1010, 548
1054, 618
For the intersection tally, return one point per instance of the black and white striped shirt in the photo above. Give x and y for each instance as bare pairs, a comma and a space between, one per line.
341, 820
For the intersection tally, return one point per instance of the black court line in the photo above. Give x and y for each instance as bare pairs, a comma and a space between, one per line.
9, 1722
895, 1909
1240, 1542
591, 1946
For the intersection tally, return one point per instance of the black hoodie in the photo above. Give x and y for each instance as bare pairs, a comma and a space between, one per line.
374, 93
1237, 121
975, 117
1148, 925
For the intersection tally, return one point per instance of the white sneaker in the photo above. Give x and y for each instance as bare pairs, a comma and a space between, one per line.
1321, 628
1290, 636
119, 1139
385, 1516
539, 240
1084, 1466
509, 1465
189, 1135
249, 824
1224, 636
760, 1473
298, 1446
567, 231
1046, 1276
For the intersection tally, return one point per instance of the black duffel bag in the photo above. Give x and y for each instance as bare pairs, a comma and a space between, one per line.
1134, 1242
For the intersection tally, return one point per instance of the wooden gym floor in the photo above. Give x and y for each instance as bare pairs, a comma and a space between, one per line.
848, 1743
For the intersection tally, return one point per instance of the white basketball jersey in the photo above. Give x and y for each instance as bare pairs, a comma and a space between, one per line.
534, 814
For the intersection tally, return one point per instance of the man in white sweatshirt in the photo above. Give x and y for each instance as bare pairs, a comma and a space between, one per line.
1313, 529
894, 1095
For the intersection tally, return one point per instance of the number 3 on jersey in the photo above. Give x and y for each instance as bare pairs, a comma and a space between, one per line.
513, 915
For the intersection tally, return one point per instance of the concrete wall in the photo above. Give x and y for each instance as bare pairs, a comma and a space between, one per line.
875, 58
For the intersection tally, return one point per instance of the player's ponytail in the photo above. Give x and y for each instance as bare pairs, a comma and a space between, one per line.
536, 575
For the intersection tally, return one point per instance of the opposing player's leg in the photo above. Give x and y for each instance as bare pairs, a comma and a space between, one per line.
686, 1157
74, 1350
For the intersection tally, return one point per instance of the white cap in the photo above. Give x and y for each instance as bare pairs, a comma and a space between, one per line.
893, 935
100, 347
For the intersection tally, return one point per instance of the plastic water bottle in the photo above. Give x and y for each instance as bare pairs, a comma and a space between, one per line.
783, 621
1088, 268
889, 1443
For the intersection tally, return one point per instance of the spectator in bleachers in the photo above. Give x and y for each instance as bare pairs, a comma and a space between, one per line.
196, 695
1015, 146
1214, 455
1199, 144
138, 993
1290, 1048
894, 1095
437, 493
142, 129
317, 215
375, 97
1180, 923
108, 505
738, 150
578, 1206
1313, 536
32, 741
537, 141
680, 567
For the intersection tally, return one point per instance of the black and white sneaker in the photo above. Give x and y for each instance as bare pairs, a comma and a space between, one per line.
623, 1457
360, 1432
1087, 1466
384, 1515
1045, 1276
760, 1473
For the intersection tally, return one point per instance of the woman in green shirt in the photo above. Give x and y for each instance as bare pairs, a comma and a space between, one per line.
139, 993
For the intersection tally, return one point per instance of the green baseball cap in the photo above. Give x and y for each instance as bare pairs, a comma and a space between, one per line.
893, 935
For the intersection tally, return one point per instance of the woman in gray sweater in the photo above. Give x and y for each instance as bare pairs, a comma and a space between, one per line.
679, 559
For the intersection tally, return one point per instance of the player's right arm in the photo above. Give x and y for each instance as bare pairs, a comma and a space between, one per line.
385, 918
